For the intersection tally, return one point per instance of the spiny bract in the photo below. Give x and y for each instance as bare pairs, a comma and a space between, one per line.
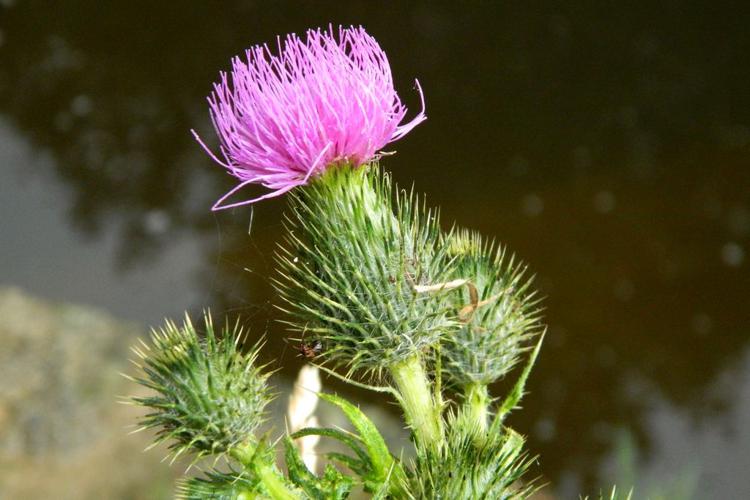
352, 266
463, 470
497, 311
210, 397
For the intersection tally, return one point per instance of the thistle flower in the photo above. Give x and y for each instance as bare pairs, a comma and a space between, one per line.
284, 117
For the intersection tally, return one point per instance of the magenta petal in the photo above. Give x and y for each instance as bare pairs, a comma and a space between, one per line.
282, 118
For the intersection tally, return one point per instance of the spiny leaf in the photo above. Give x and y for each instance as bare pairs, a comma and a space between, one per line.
347, 439
380, 458
515, 395
465, 470
219, 486
376, 465
332, 486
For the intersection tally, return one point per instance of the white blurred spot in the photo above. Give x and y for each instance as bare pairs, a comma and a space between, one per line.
604, 202
156, 222
532, 205
60, 56
732, 254
545, 429
81, 105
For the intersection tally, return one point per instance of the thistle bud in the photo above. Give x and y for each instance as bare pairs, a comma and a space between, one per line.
352, 268
209, 396
497, 312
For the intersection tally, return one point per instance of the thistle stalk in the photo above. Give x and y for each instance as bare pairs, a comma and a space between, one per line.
274, 483
476, 409
420, 410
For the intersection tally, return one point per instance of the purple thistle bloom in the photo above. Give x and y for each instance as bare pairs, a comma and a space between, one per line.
322, 101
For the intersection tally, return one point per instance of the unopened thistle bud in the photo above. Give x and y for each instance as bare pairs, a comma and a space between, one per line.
209, 396
496, 310
352, 268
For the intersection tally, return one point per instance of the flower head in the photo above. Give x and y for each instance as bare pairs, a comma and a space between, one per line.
320, 101
498, 311
356, 250
209, 397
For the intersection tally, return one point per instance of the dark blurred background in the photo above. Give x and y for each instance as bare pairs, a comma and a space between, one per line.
606, 143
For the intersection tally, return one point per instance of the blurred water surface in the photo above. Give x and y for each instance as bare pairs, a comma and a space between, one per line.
608, 145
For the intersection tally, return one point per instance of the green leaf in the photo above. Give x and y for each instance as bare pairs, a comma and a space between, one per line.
347, 439
357, 466
515, 395
332, 486
380, 458
376, 465
219, 485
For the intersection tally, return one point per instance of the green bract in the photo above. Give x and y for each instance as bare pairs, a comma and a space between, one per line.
219, 486
209, 396
352, 266
496, 310
461, 470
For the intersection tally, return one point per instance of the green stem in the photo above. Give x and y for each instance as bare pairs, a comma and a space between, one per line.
247, 495
420, 411
271, 479
476, 406
274, 482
